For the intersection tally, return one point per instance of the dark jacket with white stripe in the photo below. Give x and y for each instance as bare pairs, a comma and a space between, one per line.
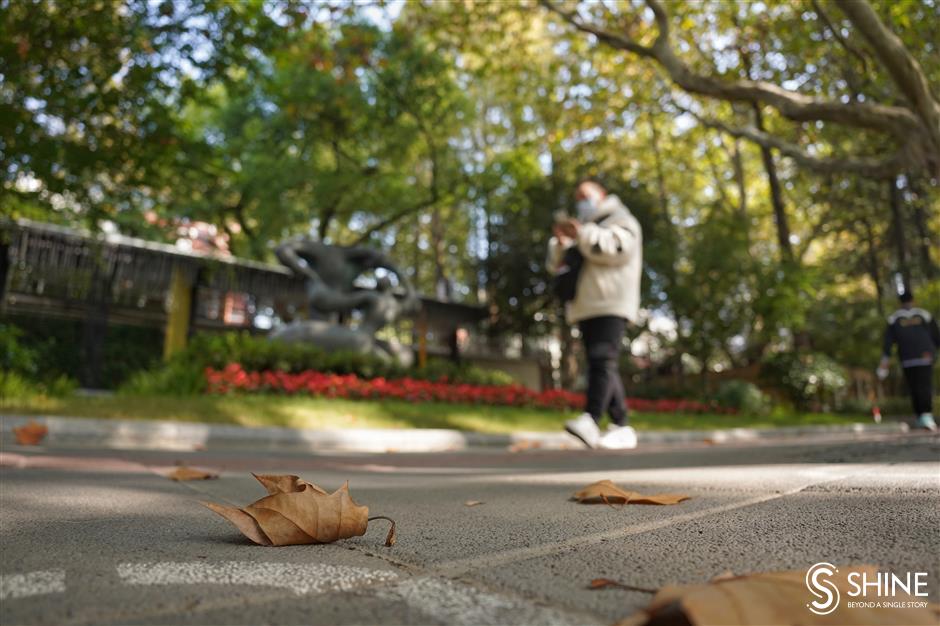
916, 334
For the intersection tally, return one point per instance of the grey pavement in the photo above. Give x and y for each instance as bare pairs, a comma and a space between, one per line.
100, 536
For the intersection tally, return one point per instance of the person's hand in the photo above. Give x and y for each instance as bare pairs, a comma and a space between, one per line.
882, 371
569, 228
560, 235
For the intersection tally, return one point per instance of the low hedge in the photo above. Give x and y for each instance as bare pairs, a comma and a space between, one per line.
185, 372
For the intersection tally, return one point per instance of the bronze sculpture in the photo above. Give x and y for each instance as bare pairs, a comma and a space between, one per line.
332, 296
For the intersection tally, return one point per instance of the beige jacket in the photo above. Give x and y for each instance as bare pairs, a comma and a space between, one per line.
609, 283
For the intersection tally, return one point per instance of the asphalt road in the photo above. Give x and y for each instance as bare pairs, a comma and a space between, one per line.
102, 537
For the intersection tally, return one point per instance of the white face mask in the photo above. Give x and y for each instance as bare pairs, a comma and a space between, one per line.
587, 209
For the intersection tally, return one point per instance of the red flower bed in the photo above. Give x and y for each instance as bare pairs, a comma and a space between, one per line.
235, 379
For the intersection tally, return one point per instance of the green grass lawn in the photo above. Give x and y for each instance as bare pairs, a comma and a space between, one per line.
323, 413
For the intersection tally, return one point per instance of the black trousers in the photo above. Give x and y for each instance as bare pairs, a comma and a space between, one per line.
920, 384
603, 338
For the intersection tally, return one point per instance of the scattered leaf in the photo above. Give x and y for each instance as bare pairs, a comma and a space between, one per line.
473, 503
607, 492
297, 512
604, 583
603, 491
771, 598
30, 434
526, 444
184, 472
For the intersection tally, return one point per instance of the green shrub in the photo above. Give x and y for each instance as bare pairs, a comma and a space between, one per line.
807, 379
900, 406
854, 406
14, 386
15, 356
746, 397
181, 376
184, 373
21, 375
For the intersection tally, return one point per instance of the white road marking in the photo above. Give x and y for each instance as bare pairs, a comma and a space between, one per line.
462, 605
14, 586
505, 557
301, 579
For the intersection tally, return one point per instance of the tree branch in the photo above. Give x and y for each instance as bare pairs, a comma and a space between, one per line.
903, 68
848, 47
898, 121
876, 168
391, 219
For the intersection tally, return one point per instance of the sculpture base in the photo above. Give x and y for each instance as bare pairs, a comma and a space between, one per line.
335, 338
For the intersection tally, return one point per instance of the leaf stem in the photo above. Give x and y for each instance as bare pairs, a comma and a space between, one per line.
391, 537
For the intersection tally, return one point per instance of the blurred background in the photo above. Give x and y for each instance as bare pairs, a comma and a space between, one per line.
782, 157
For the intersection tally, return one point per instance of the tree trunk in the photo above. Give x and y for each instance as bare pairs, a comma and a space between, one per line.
776, 194
925, 240
900, 243
874, 266
442, 285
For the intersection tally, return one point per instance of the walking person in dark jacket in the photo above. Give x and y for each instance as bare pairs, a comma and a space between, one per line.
918, 339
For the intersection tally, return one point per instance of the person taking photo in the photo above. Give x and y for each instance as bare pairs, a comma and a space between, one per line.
599, 254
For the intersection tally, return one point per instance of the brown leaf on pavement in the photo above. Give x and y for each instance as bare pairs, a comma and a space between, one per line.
774, 598
473, 503
525, 444
297, 512
604, 583
30, 433
184, 472
605, 491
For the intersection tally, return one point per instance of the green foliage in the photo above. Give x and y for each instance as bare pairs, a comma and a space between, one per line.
14, 386
451, 133
744, 396
89, 93
15, 357
184, 374
21, 373
181, 376
807, 379
55, 348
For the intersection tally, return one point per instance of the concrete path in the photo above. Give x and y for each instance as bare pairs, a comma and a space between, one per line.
97, 536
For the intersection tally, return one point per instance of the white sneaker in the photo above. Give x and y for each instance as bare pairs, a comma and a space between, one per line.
926, 421
584, 428
618, 438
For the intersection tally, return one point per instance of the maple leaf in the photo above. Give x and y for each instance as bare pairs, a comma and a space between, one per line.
184, 472
30, 434
297, 512
607, 492
771, 598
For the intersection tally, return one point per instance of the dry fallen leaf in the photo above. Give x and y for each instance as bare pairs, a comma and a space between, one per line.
298, 512
473, 503
526, 444
604, 583
184, 472
30, 434
772, 598
607, 492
